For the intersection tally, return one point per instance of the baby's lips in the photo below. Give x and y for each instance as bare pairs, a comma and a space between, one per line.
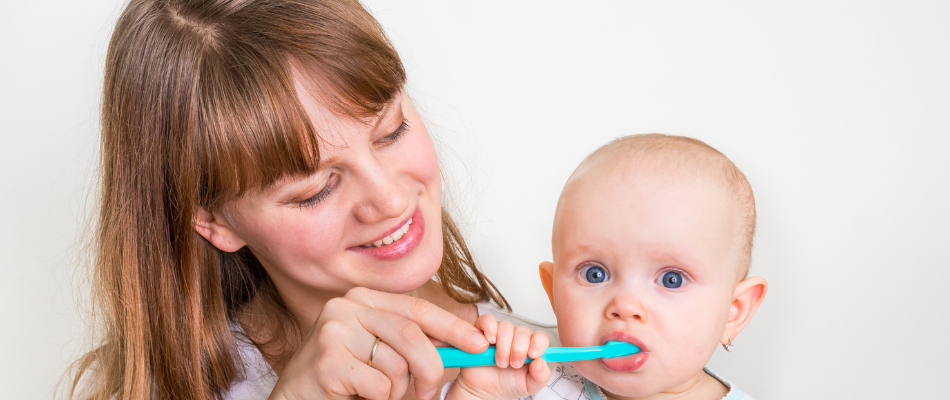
622, 336
629, 363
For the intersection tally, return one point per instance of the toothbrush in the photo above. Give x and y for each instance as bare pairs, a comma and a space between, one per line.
454, 358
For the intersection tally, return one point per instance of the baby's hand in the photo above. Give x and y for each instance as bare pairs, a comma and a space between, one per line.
512, 346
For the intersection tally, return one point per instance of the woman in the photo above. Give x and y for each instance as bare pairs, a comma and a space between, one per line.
270, 207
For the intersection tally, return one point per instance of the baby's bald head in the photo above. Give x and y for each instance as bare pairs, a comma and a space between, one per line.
679, 157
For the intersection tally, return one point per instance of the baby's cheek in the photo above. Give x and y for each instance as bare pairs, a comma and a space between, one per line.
566, 330
575, 329
691, 341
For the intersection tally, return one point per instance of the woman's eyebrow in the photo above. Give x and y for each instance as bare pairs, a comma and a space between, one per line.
392, 111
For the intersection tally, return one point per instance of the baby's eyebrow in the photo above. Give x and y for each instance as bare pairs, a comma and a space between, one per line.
676, 257
585, 248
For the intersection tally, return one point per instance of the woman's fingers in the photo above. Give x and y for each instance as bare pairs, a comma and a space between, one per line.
330, 374
434, 321
366, 382
394, 366
332, 362
406, 340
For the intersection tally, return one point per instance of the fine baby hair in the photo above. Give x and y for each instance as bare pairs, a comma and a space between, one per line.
652, 244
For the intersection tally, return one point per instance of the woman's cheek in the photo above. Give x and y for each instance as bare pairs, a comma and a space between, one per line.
297, 237
426, 165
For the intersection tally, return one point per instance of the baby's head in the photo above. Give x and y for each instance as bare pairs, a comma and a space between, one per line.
652, 243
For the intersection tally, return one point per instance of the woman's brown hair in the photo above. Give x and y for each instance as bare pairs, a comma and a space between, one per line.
199, 107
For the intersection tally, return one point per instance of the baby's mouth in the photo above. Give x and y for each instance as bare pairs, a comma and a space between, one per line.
392, 237
626, 363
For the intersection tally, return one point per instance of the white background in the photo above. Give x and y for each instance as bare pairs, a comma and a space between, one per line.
837, 111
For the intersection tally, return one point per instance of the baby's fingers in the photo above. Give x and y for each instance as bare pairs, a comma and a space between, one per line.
538, 375
506, 332
489, 326
519, 346
539, 343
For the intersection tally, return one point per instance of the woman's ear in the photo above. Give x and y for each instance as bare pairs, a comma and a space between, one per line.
215, 228
748, 295
546, 270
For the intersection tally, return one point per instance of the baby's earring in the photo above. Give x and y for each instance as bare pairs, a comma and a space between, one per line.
728, 346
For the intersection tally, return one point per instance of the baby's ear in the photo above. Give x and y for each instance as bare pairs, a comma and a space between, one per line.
748, 295
546, 270
215, 228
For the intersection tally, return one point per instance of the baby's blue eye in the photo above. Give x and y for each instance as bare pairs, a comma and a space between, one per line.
594, 274
671, 279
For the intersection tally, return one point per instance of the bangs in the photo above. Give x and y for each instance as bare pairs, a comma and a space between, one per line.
251, 127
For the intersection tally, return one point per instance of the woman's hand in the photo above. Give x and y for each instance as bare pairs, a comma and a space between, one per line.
331, 362
509, 380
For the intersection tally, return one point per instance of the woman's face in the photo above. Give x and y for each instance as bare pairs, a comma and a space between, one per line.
316, 234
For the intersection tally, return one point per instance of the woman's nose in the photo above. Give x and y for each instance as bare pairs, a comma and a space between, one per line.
383, 195
627, 307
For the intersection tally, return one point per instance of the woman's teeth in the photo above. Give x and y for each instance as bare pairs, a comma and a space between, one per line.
392, 236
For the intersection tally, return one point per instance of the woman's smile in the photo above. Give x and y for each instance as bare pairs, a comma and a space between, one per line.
398, 242
391, 237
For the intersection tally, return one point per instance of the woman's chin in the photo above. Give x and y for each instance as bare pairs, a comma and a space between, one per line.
404, 284
404, 280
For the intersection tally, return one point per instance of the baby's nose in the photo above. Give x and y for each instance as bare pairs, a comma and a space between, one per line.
626, 307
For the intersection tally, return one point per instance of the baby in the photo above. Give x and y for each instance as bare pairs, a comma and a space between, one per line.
652, 244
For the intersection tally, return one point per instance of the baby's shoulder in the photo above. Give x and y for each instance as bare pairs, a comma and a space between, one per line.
567, 384
734, 392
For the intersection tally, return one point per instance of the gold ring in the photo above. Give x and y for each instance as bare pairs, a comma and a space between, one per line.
373, 353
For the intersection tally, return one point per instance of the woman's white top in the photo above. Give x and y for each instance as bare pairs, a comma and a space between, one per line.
259, 378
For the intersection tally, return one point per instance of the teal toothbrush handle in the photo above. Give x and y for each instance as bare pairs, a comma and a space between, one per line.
454, 358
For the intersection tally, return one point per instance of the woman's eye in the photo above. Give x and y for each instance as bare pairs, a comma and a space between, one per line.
322, 194
594, 274
671, 279
397, 134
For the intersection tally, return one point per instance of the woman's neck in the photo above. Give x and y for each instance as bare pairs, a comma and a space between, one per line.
432, 292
